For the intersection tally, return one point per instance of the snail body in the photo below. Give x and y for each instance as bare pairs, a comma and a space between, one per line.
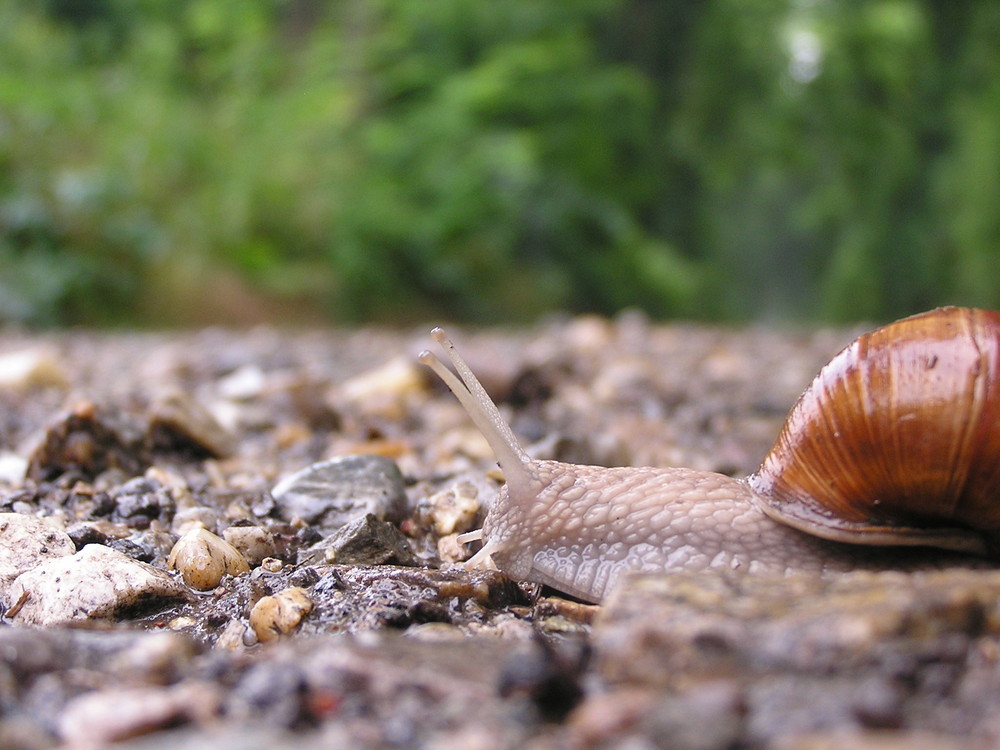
896, 442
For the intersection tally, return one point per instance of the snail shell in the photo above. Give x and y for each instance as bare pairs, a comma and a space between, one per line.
898, 436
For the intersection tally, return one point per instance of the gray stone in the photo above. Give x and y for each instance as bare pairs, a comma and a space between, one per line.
332, 493
366, 541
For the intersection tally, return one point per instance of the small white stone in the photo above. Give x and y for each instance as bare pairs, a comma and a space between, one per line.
25, 543
32, 368
243, 384
385, 390
271, 564
13, 467
232, 637
253, 542
95, 583
454, 510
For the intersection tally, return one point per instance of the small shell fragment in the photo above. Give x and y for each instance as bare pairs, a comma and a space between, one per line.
277, 615
202, 558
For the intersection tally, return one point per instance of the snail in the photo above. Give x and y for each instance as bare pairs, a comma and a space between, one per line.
896, 442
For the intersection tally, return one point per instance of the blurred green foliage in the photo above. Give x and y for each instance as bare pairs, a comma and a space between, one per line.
396, 160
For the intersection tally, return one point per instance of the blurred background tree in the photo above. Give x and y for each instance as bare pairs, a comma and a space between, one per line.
190, 161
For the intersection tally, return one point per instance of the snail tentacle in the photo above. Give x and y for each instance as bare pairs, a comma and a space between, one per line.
518, 468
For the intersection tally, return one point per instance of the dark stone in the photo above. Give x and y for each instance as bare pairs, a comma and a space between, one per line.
140, 501
366, 541
87, 440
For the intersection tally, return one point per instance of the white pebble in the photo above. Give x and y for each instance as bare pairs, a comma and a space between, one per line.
26, 542
95, 583
253, 542
32, 368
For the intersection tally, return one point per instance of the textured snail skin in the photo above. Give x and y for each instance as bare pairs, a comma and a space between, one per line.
579, 528
585, 526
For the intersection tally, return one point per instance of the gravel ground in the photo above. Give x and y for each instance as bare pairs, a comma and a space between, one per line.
247, 539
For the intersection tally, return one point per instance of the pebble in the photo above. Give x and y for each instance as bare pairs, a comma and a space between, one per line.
89, 440
25, 543
197, 517
94, 584
202, 559
279, 614
333, 492
140, 501
272, 564
233, 636
247, 382
452, 511
13, 467
253, 542
366, 541
158, 658
178, 421
96, 718
32, 368
435, 632
386, 390
275, 694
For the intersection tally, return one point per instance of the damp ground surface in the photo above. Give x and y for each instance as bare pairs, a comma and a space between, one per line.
245, 539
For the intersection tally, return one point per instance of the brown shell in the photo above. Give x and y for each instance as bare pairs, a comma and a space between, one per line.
897, 440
